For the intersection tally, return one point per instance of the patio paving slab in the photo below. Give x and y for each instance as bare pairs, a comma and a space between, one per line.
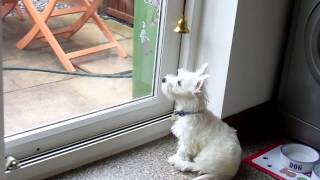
90, 35
49, 103
9, 84
34, 99
102, 92
20, 80
113, 64
119, 28
127, 44
40, 106
26, 79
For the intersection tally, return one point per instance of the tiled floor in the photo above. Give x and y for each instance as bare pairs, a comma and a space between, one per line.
33, 99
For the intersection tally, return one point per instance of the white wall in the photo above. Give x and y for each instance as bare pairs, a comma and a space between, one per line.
215, 39
243, 52
256, 54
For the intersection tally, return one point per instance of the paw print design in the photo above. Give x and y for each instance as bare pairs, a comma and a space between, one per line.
288, 173
301, 178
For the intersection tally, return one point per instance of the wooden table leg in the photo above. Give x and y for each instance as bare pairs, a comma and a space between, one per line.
7, 8
106, 32
40, 22
91, 9
41, 30
26, 40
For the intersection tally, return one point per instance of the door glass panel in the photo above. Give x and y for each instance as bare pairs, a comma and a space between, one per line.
147, 16
40, 91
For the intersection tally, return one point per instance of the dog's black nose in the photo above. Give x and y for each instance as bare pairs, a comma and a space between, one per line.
164, 80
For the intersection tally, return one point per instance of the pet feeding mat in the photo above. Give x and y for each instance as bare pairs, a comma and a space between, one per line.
268, 161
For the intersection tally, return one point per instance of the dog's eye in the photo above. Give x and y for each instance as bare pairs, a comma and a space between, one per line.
179, 83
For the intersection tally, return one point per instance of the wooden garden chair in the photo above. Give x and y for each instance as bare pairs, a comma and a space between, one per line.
10, 5
41, 31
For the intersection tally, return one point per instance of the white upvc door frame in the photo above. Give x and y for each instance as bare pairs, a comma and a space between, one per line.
2, 157
65, 132
189, 42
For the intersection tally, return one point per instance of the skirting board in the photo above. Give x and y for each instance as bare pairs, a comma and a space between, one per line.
255, 123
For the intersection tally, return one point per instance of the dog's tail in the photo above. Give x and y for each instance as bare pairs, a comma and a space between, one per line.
212, 177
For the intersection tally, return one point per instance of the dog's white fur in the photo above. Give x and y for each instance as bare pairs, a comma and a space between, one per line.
206, 144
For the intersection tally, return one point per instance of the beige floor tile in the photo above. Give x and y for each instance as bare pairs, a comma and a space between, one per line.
32, 59
46, 104
119, 28
26, 79
40, 106
127, 44
9, 84
103, 92
90, 35
12, 27
105, 63
63, 20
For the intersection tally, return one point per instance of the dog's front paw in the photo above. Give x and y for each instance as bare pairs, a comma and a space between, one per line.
183, 166
172, 159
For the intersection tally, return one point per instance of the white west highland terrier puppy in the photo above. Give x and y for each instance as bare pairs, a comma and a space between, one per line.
206, 144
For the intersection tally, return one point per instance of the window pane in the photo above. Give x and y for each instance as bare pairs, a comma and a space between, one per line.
39, 90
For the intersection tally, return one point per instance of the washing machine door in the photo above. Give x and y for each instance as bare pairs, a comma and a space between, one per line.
299, 96
312, 43
300, 93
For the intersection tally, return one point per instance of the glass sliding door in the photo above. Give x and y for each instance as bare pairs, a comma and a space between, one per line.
47, 106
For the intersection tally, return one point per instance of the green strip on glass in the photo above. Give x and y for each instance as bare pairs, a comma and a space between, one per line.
146, 24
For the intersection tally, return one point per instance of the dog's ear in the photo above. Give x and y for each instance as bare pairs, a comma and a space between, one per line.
203, 69
200, 82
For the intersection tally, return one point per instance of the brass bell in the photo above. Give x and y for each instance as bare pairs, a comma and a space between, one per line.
182, 26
